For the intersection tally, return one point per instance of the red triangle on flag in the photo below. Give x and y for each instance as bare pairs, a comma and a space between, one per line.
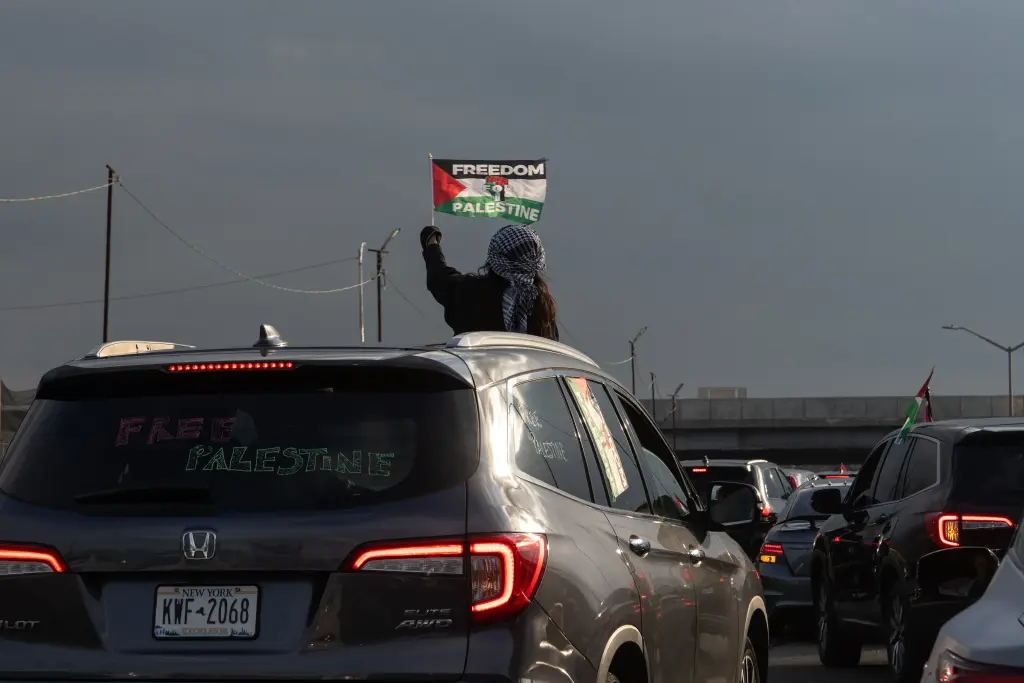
446, 188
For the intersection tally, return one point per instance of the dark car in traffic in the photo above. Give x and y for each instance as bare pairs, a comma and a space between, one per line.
493, 509
947, 485
773, 488
784, 558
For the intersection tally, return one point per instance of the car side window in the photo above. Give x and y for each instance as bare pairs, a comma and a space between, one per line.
923, 468
787, 485
859, 495
888, 478
597, 483
772, 484
544, 440
621, 472
665, 472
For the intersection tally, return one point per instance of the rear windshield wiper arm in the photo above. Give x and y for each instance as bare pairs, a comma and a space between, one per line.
146, 494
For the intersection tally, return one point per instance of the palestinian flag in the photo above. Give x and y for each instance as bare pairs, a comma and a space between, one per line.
513, 190
923, 397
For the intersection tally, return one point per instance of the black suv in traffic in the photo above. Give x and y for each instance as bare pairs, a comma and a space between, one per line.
946, 485
493, 509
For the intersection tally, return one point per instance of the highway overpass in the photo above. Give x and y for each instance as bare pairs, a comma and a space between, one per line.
802, 430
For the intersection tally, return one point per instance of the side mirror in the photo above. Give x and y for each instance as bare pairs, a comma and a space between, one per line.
733, 505
827, 501
954, 574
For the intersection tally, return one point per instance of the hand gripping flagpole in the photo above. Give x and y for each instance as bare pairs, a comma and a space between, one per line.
430, 157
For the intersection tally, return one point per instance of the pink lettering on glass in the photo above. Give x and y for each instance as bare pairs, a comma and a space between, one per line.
221, 428
190, 427
158, 430
128, 426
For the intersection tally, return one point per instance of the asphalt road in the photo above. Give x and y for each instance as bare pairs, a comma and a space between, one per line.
798, 663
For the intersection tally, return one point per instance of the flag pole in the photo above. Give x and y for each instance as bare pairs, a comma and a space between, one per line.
430, 157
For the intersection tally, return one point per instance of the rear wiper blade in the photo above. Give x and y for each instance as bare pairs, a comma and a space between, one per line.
147, 494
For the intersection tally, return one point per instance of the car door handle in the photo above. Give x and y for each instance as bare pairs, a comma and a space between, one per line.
639, 545
696, 555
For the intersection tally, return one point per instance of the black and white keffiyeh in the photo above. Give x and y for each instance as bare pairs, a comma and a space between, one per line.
516, 254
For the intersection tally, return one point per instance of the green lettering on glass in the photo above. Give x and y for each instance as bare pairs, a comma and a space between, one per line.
296, 462
349, 465
314, 456
238, 461
265, 457
380, 464
217, 462
194, 454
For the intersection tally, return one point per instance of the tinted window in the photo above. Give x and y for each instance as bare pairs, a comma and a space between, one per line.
667, 496
787, 485
772, 483
314, 445
799, 504
621, 473
666, 473
860, 491
922, 469
702, 476
888, 476
543, 437
989, 468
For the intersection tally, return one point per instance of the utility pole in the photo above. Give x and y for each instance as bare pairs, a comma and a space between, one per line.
362, 325
632, 357
675, 393
654, 409
380, 282
1008, 350
106, 280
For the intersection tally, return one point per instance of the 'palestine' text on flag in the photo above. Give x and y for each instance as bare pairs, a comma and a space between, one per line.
923, 396
514, 190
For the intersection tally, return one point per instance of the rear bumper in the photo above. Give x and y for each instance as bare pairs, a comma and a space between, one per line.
786, 596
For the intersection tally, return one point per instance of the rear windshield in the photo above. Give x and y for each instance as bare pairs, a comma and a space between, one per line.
990, 470
702, 476
312, 445
799, 504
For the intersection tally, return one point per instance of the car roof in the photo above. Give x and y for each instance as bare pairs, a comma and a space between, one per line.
723, 462
957, 430
479, 359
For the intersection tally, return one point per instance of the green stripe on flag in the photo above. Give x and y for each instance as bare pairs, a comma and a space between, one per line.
516, 209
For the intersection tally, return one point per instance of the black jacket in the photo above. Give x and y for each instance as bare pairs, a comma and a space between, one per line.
472, 303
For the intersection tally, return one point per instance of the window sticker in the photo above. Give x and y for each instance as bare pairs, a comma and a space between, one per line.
614, 472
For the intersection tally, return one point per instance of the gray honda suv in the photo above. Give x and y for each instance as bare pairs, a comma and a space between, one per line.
494, 509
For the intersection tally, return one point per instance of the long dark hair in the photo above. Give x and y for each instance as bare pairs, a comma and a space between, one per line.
545, 310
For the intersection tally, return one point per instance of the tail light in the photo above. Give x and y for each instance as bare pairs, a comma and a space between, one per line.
766, 510
699, 470
21, 560
952, 669
220, 367
948, 527
792, 481
837, 476
770, 553
504, 569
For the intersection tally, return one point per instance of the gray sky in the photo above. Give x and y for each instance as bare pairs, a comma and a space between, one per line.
793, 195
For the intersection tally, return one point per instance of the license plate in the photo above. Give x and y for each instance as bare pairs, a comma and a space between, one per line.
206, 612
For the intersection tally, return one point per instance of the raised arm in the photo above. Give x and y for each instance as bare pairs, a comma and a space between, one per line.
442, 279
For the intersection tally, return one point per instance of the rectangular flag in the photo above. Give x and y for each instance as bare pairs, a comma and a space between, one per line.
512, 190
915, 406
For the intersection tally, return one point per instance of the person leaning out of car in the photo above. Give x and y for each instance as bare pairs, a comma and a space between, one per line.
508, 294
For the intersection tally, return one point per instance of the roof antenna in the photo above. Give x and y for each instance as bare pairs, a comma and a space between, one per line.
707, 461
269, 340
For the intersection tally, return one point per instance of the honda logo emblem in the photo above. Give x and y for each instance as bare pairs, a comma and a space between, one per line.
198, 545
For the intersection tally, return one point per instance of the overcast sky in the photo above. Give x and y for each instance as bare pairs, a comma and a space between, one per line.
792, 195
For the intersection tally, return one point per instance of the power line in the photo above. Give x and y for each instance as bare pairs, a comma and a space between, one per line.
54, 196
416, 308
180, 290
228, 268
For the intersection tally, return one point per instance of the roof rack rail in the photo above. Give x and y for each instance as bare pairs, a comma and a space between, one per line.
128, 348
479, 340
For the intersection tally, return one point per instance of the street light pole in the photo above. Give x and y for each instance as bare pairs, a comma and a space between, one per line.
1008, 350
654, 409
362, 324
632, 357
675, 393
380, 284
111, 177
